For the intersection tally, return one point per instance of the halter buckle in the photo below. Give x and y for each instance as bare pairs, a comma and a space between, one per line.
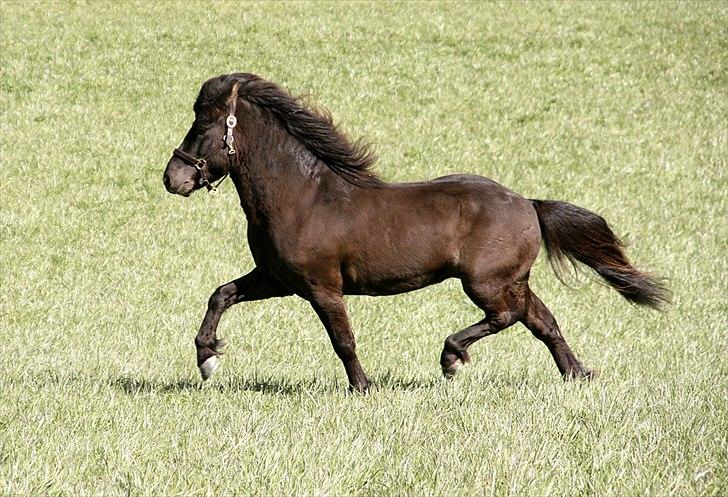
231, 121
200, 164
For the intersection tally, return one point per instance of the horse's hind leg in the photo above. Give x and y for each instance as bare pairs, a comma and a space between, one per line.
503, 307
539, 320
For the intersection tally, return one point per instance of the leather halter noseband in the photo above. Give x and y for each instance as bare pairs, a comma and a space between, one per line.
200, 163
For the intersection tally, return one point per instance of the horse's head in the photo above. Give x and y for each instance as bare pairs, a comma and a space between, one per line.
207, 152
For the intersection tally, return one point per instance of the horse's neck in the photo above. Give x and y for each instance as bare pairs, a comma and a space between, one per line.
277, 176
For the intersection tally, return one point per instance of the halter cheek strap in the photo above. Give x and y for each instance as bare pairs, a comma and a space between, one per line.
231, 120
201, 163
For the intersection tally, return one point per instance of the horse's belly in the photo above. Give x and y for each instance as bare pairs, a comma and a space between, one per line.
388, 269
392, 285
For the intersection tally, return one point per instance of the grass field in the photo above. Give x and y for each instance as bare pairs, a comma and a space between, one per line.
104, 277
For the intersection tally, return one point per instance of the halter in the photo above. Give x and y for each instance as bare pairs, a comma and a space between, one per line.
200, 163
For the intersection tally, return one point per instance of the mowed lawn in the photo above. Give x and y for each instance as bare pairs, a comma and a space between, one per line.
104, 277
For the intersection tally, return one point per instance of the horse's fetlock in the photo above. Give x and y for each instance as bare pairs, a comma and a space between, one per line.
218, 345
450, 366
453, 347
465, 357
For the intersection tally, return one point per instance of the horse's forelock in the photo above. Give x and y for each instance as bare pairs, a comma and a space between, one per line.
217, 91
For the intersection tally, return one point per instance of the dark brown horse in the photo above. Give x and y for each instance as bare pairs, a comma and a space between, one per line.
321, 225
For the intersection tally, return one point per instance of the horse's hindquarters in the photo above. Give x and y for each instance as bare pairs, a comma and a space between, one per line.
503, 242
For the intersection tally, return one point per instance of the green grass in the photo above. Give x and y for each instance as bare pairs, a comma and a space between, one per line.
104, 277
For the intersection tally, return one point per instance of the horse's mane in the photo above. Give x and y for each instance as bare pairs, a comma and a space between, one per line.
313, 127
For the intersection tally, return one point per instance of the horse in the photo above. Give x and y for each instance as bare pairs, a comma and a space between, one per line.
321, 225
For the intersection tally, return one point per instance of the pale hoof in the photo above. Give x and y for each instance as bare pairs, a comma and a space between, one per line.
449, 372
209, 367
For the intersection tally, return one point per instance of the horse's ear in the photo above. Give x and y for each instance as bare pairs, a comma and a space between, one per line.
233, 93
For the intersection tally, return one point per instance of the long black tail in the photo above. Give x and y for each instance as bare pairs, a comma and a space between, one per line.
576, 234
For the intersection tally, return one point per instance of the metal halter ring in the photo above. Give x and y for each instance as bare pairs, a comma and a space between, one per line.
230, 122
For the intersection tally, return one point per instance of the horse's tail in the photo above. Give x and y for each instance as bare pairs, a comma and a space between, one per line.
576, 234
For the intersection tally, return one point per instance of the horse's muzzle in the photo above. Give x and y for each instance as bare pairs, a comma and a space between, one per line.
179, 179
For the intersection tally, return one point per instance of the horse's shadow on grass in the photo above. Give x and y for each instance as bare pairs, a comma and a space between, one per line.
134, 386
138, 385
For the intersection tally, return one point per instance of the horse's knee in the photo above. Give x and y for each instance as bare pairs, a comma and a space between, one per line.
221, 297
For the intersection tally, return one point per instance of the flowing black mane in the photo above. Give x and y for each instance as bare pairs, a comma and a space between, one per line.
313, 127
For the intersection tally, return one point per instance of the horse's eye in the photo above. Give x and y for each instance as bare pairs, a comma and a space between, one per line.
202, 126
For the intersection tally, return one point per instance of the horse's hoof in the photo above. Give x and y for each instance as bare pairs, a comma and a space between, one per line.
362, 388
449, 371
590, 374
583, 374
209, 367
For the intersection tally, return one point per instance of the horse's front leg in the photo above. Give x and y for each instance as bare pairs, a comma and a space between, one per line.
331, 310
256, 285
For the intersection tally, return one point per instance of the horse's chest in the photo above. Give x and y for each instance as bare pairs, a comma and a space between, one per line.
277, 259
264, 251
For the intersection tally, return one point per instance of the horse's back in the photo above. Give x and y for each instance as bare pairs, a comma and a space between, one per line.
459, 184
464, 178
451, 180
478, 196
